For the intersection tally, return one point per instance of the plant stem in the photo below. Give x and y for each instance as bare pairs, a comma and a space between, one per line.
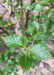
31, 45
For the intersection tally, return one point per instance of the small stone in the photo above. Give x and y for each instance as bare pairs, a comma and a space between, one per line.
6, 16
14, 2
35, 12
46, 8
1, 1
12, 19
2, 10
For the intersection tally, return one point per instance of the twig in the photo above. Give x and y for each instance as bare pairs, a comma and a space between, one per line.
17, 23
4, 29
31, 45
35, 72
26, 73
17, 26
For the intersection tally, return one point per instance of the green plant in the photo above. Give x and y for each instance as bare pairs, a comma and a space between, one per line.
28, 49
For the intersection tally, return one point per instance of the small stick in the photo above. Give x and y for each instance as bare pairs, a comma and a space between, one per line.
26, 73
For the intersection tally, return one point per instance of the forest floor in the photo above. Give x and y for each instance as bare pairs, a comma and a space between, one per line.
48, 68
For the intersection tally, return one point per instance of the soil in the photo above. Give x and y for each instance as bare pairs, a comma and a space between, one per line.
48, 68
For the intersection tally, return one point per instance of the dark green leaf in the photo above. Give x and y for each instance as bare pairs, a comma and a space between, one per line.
40, 51
39, 8
30, 30
31, 8
24, 6
13, 41
39, 36
25, 62
36, 25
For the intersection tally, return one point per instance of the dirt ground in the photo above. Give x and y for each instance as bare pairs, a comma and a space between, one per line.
48, 68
